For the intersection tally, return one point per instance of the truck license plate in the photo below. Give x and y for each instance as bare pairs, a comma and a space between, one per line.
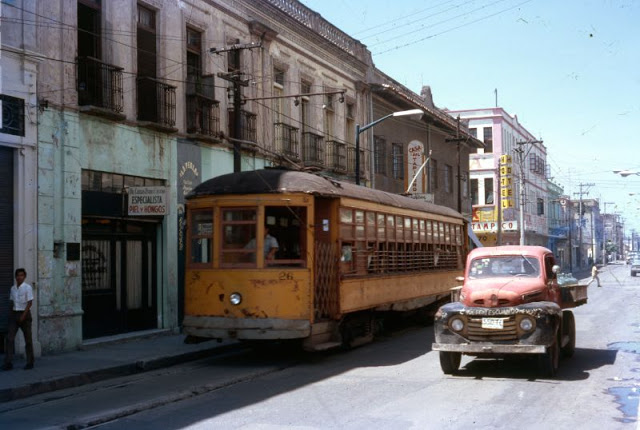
492, 323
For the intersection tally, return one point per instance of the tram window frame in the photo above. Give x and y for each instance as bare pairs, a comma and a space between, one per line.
246, 256
193, 237
289, 228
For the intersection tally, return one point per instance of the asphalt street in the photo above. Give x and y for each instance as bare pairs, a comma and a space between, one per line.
393, 383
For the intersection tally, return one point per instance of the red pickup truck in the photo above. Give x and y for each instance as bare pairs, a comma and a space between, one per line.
511, 302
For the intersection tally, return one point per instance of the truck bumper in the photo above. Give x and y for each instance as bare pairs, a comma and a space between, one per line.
477, 339
481, 348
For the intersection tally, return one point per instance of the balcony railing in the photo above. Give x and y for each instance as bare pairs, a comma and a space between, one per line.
286, 140
203, 111
312, 149
337, 156
203, 116
99, 84
156, 102
247, 125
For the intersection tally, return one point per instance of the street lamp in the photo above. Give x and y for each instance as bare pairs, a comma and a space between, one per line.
413, 112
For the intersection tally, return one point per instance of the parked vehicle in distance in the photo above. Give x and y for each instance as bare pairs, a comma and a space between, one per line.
512, 302
632, 255
635, 266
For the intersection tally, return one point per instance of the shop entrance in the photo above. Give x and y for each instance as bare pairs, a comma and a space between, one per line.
6, 235
119, 271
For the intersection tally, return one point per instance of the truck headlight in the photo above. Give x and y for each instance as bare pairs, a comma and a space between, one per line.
526, 324
456, 324
235, 298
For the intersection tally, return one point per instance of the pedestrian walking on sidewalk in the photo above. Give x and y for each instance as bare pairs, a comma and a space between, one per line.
594, 275
21, 297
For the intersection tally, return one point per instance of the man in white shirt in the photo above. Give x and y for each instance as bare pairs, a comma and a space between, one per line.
270, 245
21, 297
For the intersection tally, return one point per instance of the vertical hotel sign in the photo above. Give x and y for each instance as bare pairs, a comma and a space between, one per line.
506, 183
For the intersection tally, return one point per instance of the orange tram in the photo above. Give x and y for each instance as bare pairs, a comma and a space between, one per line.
346, 255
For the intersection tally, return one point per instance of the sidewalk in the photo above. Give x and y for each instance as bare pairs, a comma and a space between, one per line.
107, 358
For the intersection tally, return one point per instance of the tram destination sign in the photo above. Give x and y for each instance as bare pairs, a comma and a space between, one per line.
147, 201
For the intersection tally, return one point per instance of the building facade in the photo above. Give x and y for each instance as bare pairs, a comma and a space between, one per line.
19, 64
116, 109
508, 177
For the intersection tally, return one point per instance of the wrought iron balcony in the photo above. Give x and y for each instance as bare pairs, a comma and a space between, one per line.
247, 125
337, 156
203, 116
99, 85
286, 140
157, 103
312, 149
203, 111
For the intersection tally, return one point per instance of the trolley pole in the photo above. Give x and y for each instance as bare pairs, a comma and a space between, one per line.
580, 194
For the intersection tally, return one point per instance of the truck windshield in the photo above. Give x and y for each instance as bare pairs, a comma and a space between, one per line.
504, 266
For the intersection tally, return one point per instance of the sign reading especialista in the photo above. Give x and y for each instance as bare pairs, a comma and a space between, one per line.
147, 201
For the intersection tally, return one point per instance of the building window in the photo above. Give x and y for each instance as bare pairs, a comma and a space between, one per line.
305, 110
448, 178
350, 124
89, 22
107, 182
380, 150
398, 161
474, 192
465, 184
278, 93
540, 206
433, 175
488, 140
12, 115
488, 191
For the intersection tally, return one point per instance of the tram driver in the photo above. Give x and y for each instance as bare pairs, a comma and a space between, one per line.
270, 245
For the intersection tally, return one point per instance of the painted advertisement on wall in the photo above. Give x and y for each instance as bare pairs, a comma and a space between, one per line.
415, 151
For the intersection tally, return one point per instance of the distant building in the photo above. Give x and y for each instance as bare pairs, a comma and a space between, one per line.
496, 173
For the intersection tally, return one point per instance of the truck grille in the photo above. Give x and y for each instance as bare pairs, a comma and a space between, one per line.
477, 333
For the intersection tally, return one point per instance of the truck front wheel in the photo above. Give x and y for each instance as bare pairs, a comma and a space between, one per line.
548, 362
450, 362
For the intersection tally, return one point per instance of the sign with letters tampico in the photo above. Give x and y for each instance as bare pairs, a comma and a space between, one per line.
506, 182
147, 201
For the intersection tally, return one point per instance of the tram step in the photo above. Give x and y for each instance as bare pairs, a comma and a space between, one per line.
325, 346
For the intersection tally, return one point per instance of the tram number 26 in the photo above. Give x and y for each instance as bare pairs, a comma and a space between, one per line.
285, 276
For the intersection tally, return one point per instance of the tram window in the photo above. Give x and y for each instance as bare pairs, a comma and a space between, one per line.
346, 215
441, 228
423, 231
201, 228
288, 227
238, 230
371, 225
381, 227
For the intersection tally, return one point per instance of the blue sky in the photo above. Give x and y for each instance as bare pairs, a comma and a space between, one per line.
569, 69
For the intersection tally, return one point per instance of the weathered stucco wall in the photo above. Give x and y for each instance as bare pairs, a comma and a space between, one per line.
70, 142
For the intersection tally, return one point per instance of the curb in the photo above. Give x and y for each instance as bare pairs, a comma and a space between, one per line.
89, 377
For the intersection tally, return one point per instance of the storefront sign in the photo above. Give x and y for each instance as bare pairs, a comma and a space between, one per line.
147, 201
487, 227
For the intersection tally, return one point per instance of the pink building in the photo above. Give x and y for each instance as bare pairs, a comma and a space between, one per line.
496, 174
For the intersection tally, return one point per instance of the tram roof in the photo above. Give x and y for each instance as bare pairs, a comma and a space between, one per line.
285, 181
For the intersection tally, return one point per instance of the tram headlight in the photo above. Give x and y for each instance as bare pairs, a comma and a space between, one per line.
526, 324
456, 324
235, 298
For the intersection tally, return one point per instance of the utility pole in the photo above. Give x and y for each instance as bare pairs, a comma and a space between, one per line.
458, 139
580, 194
521, 158
235, 77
